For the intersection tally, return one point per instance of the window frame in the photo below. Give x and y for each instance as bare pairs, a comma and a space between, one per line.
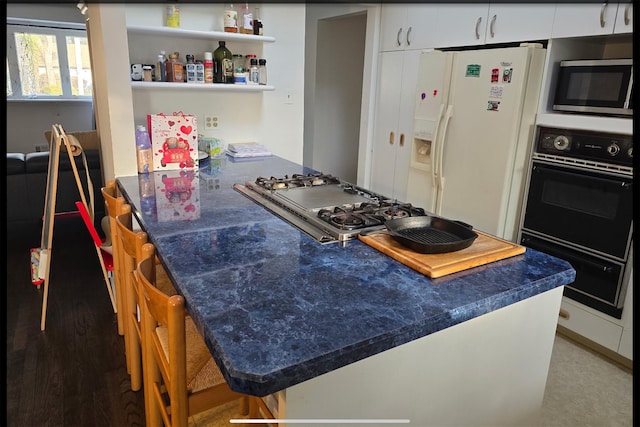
61, 30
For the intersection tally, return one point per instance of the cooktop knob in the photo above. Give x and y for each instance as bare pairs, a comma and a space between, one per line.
613, 149
561, 143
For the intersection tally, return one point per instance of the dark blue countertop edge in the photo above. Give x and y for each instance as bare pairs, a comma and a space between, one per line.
279, 380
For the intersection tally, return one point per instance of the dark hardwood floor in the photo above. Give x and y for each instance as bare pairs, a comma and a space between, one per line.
74, 372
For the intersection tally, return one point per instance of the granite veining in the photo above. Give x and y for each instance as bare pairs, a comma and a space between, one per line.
277, 308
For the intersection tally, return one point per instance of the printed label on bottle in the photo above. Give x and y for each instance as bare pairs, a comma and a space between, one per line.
230, 19
173, 16
227, 68
191, 73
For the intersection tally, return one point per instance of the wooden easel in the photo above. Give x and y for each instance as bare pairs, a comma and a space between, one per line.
73, 148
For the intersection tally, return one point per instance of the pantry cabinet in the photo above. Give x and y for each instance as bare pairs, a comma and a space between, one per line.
407, 26
393, 129
589, 19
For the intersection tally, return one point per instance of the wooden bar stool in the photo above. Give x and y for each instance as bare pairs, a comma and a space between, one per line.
180, 376
131, 242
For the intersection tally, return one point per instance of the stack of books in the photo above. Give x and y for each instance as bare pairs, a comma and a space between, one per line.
247, 149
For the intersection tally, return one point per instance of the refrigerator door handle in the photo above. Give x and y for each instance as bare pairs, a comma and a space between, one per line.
434, 160
447, 119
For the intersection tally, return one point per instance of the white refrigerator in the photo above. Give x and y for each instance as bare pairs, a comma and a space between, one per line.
473, 126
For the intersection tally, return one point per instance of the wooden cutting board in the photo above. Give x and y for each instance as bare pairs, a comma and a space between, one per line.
483, 250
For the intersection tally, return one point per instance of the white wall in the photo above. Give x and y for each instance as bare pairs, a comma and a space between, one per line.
28, 120
250, 116
319, 132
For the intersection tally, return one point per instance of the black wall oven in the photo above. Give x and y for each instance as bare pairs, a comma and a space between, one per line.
579, 207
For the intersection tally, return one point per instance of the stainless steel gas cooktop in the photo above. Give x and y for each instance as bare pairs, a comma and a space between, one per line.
325, 207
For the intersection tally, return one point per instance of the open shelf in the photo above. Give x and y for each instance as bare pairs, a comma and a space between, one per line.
220, 87
194, 34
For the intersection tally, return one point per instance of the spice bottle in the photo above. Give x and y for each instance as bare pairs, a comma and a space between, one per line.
199, 71
257, 22
191, 69
173, 16
208, 67
248, 59
174, 69
262, 71
230, 18
223, 64
161, 71
254, 76
143, 149
246, 19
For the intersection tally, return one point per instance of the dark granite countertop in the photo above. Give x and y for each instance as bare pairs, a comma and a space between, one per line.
277, 308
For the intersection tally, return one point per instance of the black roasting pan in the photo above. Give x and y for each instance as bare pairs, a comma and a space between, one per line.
429, 234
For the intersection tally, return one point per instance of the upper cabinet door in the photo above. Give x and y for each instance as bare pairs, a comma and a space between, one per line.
421, 25
407, 26
624, 18
461, 24
584, 19
519, 22
393, 27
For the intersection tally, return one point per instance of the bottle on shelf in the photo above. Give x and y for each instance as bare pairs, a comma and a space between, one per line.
173, 16
174, 69
190, 69
161, 71
257, 22
230, 18
246, 19
254, 75
262, 71
199, 71
144, 152
223, 63
208, 67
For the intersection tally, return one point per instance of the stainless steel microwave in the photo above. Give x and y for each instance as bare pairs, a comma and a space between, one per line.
603, 86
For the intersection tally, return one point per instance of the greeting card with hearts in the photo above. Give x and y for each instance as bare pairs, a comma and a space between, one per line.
174, 139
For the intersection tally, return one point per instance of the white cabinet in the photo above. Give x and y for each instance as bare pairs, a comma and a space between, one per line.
519, 22
624, 18
393, 129
461, 24
584, 19
407, 26
485, 23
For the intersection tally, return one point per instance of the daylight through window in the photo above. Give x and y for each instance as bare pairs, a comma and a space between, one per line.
47, 61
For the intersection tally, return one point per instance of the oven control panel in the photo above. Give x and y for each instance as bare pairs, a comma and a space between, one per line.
586, 145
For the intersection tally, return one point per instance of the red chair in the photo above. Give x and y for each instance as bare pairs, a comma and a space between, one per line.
103, 251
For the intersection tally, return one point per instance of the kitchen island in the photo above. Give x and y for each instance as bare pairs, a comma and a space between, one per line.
340, 330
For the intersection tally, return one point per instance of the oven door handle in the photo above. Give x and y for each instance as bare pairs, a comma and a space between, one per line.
538, 168
568, 256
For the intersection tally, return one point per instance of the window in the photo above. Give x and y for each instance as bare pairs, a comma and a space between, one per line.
47, 60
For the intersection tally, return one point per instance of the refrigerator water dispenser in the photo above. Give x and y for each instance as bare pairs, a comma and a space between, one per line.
423, 135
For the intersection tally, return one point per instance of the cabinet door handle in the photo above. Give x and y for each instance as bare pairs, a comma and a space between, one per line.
492, 24
626, 13
398, 37
408, 34
391, 138
602, 9
478, 27
402, 140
